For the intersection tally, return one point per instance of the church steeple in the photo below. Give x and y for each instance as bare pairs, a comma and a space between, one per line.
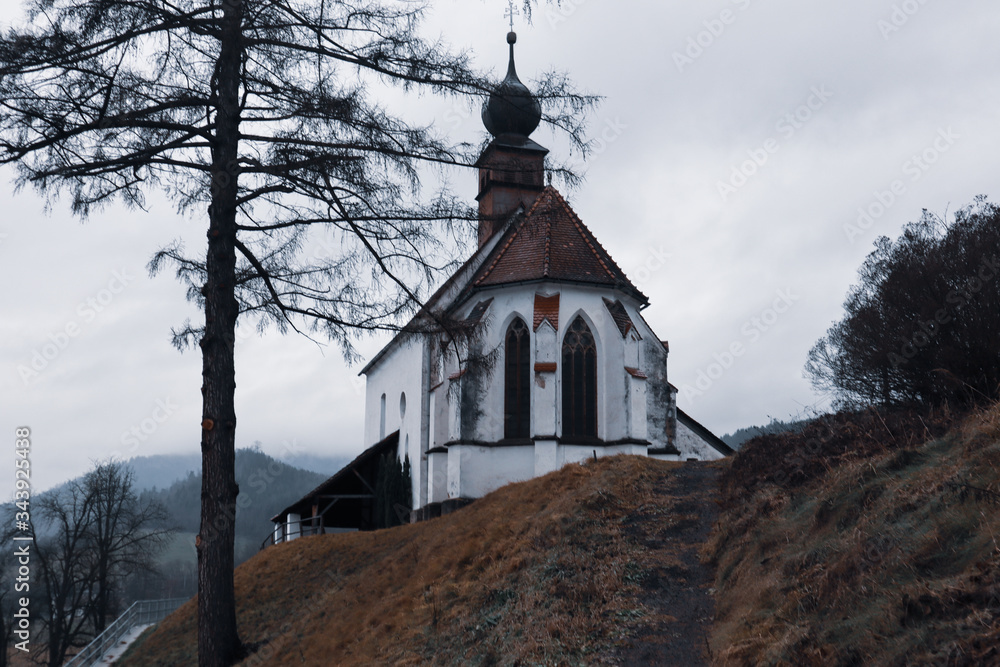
512, 168
512, 109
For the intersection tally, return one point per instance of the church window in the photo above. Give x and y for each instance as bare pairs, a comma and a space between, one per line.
381, 418
517, 381
579, 381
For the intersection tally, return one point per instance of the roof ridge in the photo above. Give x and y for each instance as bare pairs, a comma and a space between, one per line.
547, 256
585, 233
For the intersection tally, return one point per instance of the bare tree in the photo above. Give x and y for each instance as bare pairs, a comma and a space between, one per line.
264, 113
65, 568
92, 535
125, 536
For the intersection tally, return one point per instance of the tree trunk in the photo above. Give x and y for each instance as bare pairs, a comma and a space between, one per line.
218, 642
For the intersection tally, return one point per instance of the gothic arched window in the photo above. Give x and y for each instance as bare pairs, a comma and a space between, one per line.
517, 381
579, 381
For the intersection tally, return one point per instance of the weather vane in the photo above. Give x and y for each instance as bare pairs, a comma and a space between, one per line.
511, 12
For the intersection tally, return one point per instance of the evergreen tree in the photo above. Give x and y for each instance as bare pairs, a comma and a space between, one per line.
922, 324
393, 491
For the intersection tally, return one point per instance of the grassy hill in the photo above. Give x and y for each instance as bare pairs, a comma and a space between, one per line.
865, 539
563, 569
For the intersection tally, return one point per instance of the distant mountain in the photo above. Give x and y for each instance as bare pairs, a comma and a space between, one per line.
326, 465
267, 486
162, 470
738, 437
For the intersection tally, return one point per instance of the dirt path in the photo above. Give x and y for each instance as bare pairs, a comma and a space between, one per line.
676, 585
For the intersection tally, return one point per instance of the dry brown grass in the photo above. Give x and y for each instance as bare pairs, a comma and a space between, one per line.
884, 557
534, 573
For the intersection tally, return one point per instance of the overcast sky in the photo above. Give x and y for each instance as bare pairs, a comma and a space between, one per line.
738, 140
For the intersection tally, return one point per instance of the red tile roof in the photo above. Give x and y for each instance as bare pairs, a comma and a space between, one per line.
546, 308
619, 315
551, 242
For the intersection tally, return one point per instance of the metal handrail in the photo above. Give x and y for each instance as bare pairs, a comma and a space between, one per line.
142, 612
308, 526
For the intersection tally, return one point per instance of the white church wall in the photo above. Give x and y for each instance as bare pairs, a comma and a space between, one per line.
692, 446
653, 362
474, 470
400, 373
437, 477
439, 415
546, 457
544, 383
481, 415
635, 404
483, 407
468, 410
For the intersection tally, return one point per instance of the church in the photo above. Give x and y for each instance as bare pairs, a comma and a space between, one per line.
534, 354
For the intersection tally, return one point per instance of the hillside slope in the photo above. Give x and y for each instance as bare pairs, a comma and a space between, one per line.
592, 564
866, 539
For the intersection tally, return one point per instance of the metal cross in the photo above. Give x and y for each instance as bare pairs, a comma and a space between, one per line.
511, 12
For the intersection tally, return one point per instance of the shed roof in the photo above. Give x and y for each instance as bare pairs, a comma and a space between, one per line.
346, 479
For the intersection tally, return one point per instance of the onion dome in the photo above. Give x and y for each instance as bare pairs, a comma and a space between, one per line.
511, 109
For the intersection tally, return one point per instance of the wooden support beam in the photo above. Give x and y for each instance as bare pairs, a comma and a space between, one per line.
332, 503
363, 481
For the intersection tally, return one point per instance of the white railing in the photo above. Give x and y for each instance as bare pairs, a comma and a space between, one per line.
142, 612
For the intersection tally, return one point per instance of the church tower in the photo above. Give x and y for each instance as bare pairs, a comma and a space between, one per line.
512, 168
